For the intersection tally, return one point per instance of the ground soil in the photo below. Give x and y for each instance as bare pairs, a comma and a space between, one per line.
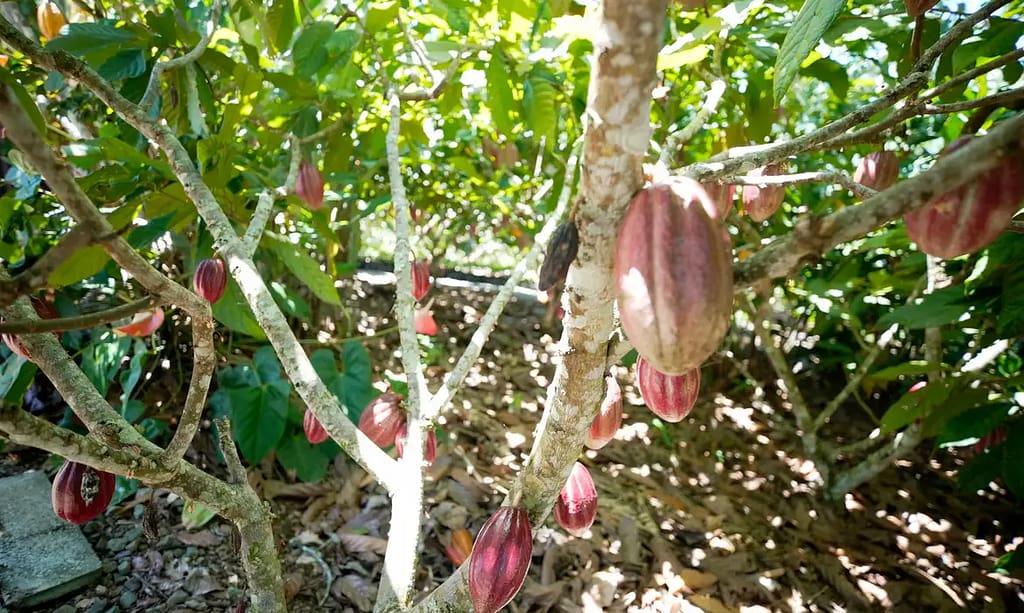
718, 513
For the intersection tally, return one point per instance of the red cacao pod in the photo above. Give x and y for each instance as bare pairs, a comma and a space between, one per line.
609, 418
971, 217
314, 430
429, 452
562, 249
420, 279
673, 275
919, 7
878, 170
309, 185
500, 560
670, 397
760, 202
210, 279
143, 323
721, 195
460, 546
991, 439
80, 493
44, 310
50, 19
576, 506
423, 319
382, 418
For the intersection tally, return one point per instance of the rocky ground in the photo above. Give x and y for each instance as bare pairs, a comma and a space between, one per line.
717, 513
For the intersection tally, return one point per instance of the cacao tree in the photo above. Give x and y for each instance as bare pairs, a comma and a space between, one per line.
262, 149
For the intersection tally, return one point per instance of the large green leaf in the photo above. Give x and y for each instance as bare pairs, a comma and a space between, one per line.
258, 417
1013, 466
915, 405
499, 94
814, 18
233, 311
307, 270
87, 262
309, 53
943, 307
308, 462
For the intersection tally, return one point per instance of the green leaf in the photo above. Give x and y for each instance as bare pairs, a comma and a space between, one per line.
307, 270
96, 41
142, 236
195, 515
102, 359
290, 302
981, 470
814, 18
268, 369
1013, 467
685, 57
282, 17
87, 262
915, 405
499, 94
325, 365
309, 53
539, 106
960, 399
233, 311
126, 64
381, 15
907, 369
25, 100
16, 375
1010, 562
939, 308
355, 386
969, 426
259, 416
296, 453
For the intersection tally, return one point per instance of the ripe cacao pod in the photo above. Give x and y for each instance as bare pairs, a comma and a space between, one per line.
609, 418
210, 279
50, 19
44, 310
500, 560
460, 546
314, 430
80, 493
670, 397
919, 7
562, 249
721, 195
971, 217
309, 185
382, 418
673, 275
423, 319
576, 506
760, 202
143, 323
878, 170
429, 452
420, 279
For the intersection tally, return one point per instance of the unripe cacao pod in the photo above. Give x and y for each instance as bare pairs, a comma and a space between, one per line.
50, 19
760, 202
721, 195
309, 185
44, 310
919, 7
143, 323
315, 432
423, 319
670, 397
609, 418
971, 217
420, 279
382, 418
429, 451
210, 279
80, 493
673, 275
576, 506
878, 170
562, 249
500, 560
460, 546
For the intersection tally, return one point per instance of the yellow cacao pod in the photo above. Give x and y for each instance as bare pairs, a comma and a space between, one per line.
50, 19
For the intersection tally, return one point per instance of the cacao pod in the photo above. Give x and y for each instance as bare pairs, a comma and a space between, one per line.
44, 310
210, 279
460, 546
721, 195
919, 7
80, 493
878, 170
500, 560
576, 506
565, 242
429, 452
423, 319
420, 279
143, 323
760, 202
670, 397
314, 430
995, 437
971, 217
673, 275
50, 19
609, 418
309, 185
382, 418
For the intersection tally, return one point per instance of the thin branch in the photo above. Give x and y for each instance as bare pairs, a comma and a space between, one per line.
970, 75
955, 34
265, 202
837, 178
153, 87
36, 275
876, 462
79, 322
236, 471
678, 138
997, 100
439, 85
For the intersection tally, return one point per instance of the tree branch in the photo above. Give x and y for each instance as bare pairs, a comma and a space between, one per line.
837, 178
153, 87
79, 322
995, 100
36, 275
683, 135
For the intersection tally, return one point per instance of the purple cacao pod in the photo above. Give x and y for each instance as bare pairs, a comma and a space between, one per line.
210, 279
429, 451
673, 275
500, 560
721, 195
382, 418
80, 493
309, 185
760, 202
878, 170
562, 249
576, 506
420, 279
609, 418
314, 430
670, 397
44, 310
971, 217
